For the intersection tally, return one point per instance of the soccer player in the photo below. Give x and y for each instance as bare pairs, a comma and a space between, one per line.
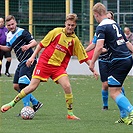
108, 32
59, 45
22, 42
103, 66
6, 54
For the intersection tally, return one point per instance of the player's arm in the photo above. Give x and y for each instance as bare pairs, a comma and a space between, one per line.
97, 52
30, 61
90, 47
31, 44
5, 48
130, 46
95, 73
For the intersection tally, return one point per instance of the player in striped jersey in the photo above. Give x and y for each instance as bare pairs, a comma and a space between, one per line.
22, 42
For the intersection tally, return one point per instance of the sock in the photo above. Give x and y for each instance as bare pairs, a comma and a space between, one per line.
7, 66
105, 97
69, 102
124, 103
19, 96
123, 91
123, 113
33, 100
26, 100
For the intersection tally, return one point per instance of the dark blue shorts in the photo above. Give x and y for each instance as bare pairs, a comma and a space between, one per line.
118, 71
104, 70
23, 74
5, 54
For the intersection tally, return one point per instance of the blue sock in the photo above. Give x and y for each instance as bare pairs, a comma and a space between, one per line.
26, 100
105, 97
123, 91
124, 103
33, 100
123, 113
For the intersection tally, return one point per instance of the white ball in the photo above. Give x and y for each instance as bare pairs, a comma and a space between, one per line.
27, 113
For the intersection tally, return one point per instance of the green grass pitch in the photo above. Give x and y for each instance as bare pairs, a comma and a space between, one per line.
51, 118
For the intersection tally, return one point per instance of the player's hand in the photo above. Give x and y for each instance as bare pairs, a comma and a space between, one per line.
29, 62
96, 75
104, 50
25, 48
91, 66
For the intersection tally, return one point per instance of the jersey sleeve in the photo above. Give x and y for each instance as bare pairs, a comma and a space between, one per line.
100, 34
27, 36
80, 52
47, 39
94, 40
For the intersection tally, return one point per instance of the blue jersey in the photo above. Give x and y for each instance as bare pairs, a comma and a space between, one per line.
114, 39
103, 56
17, 40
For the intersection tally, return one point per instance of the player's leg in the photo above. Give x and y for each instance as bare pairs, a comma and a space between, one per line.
28, 72
123, 104
8, 62
64, 82
26, 99
118, 73
123, 90
1, 57
28, 89
105, 95
103, 69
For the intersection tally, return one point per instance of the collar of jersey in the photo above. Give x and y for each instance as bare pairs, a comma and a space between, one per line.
73, 35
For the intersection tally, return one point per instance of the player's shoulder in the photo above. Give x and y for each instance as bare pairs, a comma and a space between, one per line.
58, 29
106, 22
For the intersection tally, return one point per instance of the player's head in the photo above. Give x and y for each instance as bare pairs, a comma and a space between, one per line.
11, 23
99, 12
70, 23
110, 15
1, 22
127, 31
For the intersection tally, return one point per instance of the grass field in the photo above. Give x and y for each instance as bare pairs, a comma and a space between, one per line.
51, 118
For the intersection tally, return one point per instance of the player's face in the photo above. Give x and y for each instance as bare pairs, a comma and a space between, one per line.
96, 16
70, 27
1, 22
11, 25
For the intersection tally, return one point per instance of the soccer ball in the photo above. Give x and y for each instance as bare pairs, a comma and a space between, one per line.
27, 113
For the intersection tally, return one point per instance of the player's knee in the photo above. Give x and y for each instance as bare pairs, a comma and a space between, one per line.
16, 87
67, 86
22, 86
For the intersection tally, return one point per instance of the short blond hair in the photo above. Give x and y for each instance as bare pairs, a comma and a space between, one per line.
72, 17
100, 9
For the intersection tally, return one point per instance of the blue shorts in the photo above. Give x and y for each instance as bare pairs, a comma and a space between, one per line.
104, 70
5, 54
23, 73
118, 71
